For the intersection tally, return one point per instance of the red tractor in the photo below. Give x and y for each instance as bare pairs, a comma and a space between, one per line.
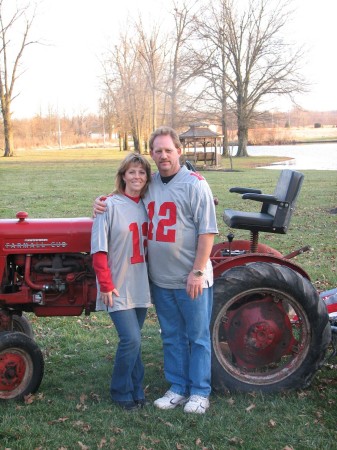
270, 329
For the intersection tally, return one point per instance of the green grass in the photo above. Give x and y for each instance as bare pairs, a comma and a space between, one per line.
72, 409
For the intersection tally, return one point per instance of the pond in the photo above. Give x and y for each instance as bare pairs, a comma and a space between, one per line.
304, 156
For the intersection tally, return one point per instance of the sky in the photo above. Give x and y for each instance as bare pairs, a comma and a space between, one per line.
62, 74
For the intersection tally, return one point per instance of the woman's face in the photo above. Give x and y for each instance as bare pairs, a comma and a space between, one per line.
135, 179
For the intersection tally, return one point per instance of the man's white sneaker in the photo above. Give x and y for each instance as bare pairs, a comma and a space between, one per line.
197, 404
170, 400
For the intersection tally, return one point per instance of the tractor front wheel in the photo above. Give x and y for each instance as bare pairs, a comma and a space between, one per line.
22, 324
21, 365
270, 330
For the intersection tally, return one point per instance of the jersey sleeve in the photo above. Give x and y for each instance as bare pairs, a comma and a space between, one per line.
203, 208
103, 273
101, 230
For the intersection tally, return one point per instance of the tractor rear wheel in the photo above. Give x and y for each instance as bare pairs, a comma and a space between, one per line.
270, 330
21, 365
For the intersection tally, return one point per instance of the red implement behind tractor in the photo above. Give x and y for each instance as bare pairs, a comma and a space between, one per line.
270, 329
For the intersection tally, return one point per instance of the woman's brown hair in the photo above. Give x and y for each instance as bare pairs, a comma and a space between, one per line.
132, 158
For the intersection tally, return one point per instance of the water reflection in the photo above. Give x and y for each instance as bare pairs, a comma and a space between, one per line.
304, 156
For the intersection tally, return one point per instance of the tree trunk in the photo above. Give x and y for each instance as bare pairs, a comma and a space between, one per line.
225, 135
154, 110
243, 122
8, 133
126, 142
136, 144
173, 109
242, 140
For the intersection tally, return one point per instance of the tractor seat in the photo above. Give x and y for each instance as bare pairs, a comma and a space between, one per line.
276, 209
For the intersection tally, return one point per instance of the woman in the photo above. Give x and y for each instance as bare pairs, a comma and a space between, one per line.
118, 246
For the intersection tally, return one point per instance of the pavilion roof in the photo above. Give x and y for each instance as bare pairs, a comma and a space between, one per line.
199, 130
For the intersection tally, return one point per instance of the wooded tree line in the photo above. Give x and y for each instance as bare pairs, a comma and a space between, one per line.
205, 60
57, 130
215, 60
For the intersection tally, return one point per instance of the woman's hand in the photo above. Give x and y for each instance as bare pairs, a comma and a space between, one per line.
107, 297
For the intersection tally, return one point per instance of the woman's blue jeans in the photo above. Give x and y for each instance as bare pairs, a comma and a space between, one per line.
186, 339
128, 372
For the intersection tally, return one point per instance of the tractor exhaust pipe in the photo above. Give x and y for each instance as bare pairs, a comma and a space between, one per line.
31, 284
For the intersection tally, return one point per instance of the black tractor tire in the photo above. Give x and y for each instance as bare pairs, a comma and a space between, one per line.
22, 325
21, 366
270, 330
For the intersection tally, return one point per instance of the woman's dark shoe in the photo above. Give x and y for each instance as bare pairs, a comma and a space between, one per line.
141, 403
128, 405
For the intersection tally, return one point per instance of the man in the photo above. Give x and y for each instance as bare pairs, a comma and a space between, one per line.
181, 229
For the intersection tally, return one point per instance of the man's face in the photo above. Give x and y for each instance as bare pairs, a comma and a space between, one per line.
165, 155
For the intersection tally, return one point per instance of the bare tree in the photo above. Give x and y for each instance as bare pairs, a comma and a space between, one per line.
15, 26
184, 65
148, 73
152, 51
259, 62
112, 104
107, 114
129, 88
263, 62
211, 29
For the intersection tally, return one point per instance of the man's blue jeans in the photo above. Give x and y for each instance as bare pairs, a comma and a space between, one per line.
128, 373
186, 339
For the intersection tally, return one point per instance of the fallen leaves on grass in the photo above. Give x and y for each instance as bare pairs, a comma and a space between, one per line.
59, 420
95, 397
198, 443
235, 441
102, 443
168, 424
82, 446
82, 425
117, 430
302, 394
148, 438
250, 407
30, 398
319, 417
82, 406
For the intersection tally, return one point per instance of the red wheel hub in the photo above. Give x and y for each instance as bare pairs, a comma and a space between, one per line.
258, 333
12, 371
262, 335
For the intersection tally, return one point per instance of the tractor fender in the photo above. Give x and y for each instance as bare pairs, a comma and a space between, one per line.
219, 267
243, 245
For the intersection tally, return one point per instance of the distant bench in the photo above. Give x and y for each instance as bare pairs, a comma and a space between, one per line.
207, 158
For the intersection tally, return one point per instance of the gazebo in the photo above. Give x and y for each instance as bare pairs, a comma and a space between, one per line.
200, 144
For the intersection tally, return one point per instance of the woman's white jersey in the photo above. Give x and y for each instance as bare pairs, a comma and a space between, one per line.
121, 231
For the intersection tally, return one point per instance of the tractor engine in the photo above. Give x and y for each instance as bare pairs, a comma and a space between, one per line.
45, 267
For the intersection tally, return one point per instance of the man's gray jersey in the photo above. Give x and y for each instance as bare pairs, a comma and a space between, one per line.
121, 232
179, 212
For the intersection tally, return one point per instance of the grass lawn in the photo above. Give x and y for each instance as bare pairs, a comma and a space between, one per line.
72, 409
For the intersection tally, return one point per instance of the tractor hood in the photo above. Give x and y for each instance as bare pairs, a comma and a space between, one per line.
24, 235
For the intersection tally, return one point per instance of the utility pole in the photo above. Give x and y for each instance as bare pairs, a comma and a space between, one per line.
59, 131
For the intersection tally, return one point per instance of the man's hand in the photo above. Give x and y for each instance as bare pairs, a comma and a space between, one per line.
194, 286
99, 206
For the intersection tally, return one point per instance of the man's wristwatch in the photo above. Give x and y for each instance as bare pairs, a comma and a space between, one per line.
198, 273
